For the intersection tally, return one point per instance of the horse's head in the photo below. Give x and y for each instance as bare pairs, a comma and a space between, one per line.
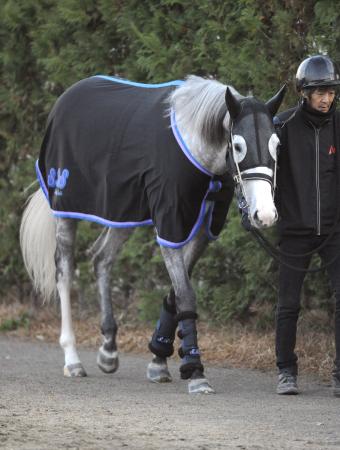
253, 155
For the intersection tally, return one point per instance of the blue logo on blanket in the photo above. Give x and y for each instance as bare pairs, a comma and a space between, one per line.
57, 179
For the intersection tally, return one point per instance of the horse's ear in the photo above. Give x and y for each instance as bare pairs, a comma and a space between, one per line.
233, 105
275, 102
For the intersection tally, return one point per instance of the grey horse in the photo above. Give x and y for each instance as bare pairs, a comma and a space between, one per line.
214, 131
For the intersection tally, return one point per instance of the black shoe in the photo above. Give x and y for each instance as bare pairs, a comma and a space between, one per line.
287, 384
336, 384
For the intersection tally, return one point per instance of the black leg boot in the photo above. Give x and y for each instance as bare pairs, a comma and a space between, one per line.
188, 351
191, 367
162, 341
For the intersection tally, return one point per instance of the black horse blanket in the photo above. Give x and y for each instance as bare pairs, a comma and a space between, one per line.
112, 154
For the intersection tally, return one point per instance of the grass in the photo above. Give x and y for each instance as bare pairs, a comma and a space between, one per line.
237, 345
13, 323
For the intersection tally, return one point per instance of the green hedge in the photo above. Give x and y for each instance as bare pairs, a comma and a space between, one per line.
46, 45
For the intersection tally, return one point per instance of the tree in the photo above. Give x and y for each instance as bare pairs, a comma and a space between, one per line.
46, 45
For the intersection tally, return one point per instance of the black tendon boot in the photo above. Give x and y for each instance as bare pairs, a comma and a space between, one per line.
191, 366
162, 341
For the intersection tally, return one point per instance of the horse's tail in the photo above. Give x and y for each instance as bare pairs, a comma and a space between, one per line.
38, 244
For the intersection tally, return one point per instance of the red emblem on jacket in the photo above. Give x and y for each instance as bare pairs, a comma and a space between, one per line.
332, 150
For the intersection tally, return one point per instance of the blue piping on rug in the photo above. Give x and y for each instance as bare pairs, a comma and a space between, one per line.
137, 84
184, 147
196, 227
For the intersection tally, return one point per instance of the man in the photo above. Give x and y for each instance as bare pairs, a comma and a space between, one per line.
308, 201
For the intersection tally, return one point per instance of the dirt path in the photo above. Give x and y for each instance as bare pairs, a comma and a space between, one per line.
40, 409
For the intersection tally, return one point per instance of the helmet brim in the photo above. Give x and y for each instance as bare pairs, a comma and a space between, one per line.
313, 84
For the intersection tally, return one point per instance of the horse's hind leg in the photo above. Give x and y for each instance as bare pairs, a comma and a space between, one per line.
105, 251
65, 238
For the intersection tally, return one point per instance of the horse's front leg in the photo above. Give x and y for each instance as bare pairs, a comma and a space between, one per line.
161, 344
65, 237
105, 251
191, 366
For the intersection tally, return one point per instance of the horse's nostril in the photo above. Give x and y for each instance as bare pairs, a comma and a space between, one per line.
264, 220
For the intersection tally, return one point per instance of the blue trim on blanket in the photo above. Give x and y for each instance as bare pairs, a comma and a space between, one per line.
41, 180
136, 84
196, 227
184, 147
100, 220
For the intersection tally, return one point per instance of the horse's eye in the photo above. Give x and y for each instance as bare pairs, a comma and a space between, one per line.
239, 148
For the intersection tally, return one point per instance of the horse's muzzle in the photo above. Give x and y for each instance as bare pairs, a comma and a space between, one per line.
264, 219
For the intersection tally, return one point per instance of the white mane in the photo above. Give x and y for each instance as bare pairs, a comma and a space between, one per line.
201, 108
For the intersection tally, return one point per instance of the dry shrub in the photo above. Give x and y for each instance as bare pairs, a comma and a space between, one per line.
237, 345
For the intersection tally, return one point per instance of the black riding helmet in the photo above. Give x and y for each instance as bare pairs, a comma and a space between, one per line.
317, 71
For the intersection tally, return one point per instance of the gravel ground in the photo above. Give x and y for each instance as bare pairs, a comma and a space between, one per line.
40, 409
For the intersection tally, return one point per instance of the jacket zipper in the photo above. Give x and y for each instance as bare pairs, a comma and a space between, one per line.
317, 178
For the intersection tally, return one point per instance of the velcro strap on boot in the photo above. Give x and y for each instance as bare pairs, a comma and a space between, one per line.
191, 352
163, 350
186, 315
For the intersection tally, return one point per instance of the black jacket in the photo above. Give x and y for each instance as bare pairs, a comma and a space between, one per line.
307, 194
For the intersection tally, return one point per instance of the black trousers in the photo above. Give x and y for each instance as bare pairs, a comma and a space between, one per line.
290, 284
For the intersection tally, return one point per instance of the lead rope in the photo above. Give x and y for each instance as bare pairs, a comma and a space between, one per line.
275, 254
273, 251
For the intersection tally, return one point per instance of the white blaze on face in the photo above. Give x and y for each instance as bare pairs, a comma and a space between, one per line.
258, 192
262, 210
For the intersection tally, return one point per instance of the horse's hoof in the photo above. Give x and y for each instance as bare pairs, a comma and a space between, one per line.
158, 373
108, 362
200, 386
74, 370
